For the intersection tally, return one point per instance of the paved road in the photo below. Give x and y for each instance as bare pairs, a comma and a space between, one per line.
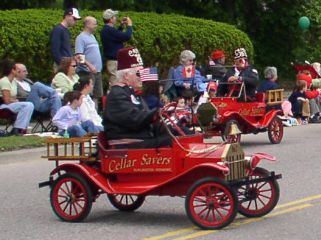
25, 211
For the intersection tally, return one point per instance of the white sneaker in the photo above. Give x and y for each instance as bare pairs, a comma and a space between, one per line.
287, 123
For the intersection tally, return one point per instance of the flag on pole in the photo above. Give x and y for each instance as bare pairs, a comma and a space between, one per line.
149, 74
189, 71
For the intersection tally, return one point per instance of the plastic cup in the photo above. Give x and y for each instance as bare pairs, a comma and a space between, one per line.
81, 58
209, 76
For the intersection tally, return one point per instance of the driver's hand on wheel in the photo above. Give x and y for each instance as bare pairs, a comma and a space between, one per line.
232, 79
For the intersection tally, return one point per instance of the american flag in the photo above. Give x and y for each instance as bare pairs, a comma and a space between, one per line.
149, 74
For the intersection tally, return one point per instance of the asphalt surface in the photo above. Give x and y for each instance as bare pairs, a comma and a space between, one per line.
25, 211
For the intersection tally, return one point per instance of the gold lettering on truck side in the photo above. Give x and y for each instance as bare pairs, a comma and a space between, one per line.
159, 160
116, 165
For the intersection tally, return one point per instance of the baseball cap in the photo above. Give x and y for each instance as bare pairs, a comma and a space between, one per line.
129, 58
217, 54
73, 12
109, 13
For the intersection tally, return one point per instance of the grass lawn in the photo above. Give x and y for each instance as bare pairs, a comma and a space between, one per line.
19, 142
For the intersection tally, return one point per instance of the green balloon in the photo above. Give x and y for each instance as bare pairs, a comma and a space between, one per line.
304, 23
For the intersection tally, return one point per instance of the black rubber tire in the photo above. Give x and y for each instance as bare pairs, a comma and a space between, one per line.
223, 194
133, 202
270, 205
275, 135
61, 189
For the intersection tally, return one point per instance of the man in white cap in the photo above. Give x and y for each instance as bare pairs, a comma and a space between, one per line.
113, 40
60, 37
127, 117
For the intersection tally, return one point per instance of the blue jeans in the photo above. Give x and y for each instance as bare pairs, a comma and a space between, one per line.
44, 98
82, 129
24, 111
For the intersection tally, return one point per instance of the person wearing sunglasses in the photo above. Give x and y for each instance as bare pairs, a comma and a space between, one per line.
60, 37
241, 72
127, 116
66, 76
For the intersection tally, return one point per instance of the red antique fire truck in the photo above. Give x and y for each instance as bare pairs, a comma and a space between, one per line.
235, 111
217, 179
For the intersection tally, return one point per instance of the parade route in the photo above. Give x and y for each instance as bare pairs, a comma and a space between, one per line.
194, 232
26, 212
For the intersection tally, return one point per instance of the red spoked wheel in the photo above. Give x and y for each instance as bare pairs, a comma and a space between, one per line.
126, 202
211, 204
235, 138
275, 130
258, 199
71, 197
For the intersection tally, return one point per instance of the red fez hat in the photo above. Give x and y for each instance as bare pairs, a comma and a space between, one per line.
217, 54
129, 58
305, 77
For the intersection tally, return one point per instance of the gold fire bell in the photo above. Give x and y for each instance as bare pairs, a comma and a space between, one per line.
234, 129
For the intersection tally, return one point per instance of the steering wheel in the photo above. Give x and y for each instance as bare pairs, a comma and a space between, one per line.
234, 87
166, 112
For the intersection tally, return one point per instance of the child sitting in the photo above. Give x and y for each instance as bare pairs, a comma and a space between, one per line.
300, 103
181, 116
68, 117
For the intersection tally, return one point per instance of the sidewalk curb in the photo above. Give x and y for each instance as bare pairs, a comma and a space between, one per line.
22, 155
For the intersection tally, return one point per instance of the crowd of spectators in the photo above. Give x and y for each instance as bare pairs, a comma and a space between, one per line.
76, 87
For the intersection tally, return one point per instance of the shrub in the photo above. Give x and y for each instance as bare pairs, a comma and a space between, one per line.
160, 38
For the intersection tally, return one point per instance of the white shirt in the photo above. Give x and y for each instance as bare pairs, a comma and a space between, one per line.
88, 111
25, 86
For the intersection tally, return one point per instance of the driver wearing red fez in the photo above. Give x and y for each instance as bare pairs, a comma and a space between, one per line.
126, 115
241, 72
216, 65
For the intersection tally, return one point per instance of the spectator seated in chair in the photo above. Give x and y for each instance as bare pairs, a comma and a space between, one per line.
66, 77
127, 118
8, 93
300, 103
312, 94
188, 80
44, 98
242, 72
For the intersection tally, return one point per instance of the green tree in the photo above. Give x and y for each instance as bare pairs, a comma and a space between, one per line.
23, 4
272, 25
